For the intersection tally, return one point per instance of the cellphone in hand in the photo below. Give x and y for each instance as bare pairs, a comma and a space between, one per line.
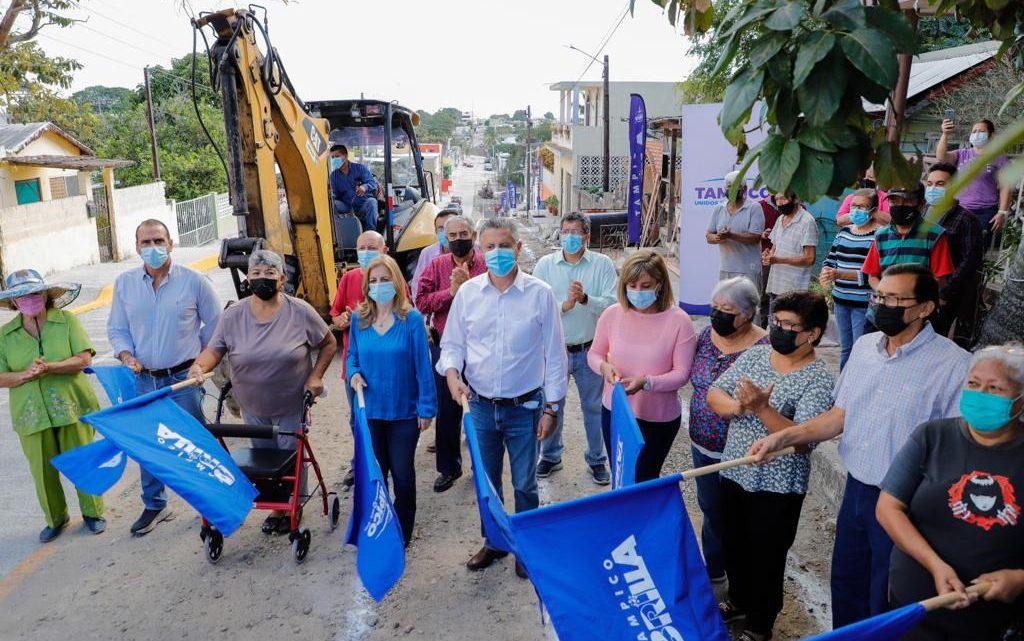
950, 115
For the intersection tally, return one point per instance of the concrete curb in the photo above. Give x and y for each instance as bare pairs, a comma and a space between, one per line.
106, 295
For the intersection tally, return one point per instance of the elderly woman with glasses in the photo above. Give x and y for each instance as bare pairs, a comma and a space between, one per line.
731, 333
43, 351
952, 504
767, 389
270, 338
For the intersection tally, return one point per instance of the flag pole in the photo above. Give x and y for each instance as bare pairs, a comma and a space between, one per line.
359, 395
465, 404
191, 382
724, 465
950, 598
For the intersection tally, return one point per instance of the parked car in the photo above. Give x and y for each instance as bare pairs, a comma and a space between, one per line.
488, 166
453, 206
467, 163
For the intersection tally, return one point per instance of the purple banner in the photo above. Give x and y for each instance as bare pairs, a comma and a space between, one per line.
538, 182
637, 149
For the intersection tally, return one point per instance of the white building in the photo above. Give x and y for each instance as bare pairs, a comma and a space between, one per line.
577, 141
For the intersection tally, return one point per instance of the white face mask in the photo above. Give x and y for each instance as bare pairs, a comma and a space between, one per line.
978, 138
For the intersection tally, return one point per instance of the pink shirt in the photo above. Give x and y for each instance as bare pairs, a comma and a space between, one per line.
660, 346
883, 204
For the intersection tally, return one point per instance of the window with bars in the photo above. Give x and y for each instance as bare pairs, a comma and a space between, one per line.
64, 187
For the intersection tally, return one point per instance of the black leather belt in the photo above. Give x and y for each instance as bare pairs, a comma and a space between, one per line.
511, 402
170, 371
582, 347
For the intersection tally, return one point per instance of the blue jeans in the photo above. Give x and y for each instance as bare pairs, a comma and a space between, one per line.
860, 558
501, 427
850, 321
365, 208
590, 386
709, 498
190, 399
394, 444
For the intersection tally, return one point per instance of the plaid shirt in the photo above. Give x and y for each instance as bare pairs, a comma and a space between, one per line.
964, 234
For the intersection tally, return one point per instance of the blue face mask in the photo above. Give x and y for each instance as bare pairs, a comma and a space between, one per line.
986, 412
364, 256
155, 257
383, 292
934, 194
500, 261
571, 243
641, 298
442, 238
860, 216
335, 163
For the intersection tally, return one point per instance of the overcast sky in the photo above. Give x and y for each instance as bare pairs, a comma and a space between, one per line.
480, 55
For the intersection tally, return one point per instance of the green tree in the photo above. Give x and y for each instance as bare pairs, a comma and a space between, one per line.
45, 105
549, 116
25, 69
103, 99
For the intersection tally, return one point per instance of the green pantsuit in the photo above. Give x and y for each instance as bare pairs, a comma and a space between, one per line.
42, 446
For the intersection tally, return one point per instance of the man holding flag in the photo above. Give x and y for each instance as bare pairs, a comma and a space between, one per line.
494, 326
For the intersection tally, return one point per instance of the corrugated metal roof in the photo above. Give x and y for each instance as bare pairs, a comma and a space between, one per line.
15, 137
935, 67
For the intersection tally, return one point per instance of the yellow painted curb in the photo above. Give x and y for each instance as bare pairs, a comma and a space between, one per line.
106, 295
23, 570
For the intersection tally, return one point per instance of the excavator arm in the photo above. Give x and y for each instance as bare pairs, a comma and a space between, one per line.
273, 146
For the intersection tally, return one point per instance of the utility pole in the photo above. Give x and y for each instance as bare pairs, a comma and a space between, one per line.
526, 160
152, 125
605, 170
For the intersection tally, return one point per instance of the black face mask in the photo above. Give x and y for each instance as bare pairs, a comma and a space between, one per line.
723, 322
263, 288
787, 209
866, 183
888, 320
783, 340
460, 248
903, 214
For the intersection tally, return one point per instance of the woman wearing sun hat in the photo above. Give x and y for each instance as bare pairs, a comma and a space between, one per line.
43, 351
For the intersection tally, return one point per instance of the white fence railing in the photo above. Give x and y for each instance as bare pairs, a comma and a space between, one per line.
197, 220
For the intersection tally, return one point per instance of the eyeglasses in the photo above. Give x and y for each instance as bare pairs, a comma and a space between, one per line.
889, 300
787, 325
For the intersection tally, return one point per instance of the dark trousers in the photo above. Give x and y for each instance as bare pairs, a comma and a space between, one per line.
658, 438
762, 314
394, 444
758, 530
448, 428
709, 498
860, 557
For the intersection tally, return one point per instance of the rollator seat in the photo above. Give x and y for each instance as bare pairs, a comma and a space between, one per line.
258, 463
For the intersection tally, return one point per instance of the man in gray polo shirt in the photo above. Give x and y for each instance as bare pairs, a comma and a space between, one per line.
794, 244
736, 228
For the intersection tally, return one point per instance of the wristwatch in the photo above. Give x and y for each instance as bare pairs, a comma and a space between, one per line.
586, 299
647, 383
552, 406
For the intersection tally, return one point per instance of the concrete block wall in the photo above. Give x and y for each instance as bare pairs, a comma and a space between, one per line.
132, 205
48, 236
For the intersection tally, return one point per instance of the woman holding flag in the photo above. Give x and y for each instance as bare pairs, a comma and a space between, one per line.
389, 359
43, 351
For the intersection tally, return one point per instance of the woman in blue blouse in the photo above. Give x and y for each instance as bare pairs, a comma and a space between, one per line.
389, 358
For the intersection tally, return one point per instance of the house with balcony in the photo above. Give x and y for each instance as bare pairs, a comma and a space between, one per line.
573, 158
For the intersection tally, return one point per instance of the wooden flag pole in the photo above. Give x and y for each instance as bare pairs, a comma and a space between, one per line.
943, 600
465, 404
191, 382
724, 465
359, 395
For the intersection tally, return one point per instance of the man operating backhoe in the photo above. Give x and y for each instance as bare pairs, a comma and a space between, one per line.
353, 188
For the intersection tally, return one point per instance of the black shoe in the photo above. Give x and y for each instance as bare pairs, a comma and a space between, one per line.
270, 524
545, 468
444, 482
350, 477
730, 612
484, 558
95, 524
150, 519
50, 533
599, 474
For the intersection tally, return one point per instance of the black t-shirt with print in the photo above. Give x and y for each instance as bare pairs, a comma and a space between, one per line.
965, 500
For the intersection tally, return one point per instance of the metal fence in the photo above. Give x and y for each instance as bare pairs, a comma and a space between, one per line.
197, 220
104, 235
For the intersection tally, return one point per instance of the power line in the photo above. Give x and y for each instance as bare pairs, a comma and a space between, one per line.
604, 43
133, 28
90, 51
124, 42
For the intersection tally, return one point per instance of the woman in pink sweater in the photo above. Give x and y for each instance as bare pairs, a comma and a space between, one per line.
646, 342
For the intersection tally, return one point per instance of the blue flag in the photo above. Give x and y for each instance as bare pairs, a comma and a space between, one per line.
627, 441
373, 526
173, 446
889, 626
492, 510
118, 382
93, 468
621, 565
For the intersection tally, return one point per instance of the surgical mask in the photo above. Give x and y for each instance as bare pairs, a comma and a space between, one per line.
263, 288
335, 163
787, 209
154, 257
888, 320
860, 216
986, 412
641, 298
903, 214
31, 305
978, 138
571, 243
724, 323
934, 194
364, 256
501, 261
442, 239
460, 247
383, 292
783, 340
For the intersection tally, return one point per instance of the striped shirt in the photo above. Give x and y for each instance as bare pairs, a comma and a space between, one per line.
847, 254
924, 244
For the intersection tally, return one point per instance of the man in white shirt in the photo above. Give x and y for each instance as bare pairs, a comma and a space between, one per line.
505, 334
794, 244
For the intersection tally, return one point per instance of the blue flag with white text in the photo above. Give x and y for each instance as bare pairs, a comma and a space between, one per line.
118, 382
93, 468
180, 452
888, 626
492, 510
627, 441
620, 565
373, 526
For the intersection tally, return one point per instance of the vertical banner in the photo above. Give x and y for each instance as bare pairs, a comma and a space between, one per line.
538, 182
504, 204
705, 160
512, 199
637, 149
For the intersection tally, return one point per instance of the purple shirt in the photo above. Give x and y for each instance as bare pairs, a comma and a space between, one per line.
983, 191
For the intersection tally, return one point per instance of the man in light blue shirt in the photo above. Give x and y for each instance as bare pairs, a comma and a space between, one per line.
161, 317
584, 284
